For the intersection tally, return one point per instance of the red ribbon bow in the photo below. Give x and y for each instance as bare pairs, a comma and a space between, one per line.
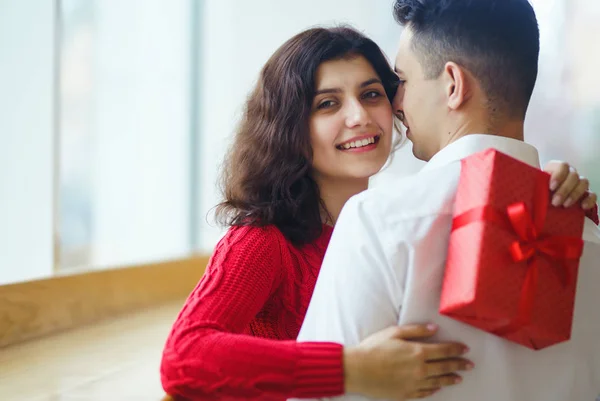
529, 247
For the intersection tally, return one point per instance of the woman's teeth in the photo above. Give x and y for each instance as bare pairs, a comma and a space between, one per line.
359, 143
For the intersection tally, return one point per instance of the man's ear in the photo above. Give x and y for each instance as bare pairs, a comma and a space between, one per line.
456, 83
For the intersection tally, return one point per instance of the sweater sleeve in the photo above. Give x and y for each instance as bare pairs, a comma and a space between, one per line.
207, 357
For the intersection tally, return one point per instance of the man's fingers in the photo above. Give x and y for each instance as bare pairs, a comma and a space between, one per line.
590, 201
578, 193
434, 352
563, 191
558, 173
447, 366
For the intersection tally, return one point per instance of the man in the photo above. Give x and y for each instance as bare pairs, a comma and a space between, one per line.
467, 71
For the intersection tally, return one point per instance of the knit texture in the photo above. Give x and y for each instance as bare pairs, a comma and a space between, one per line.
235, 336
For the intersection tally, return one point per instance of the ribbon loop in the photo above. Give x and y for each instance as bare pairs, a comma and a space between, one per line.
521, 221
522, 252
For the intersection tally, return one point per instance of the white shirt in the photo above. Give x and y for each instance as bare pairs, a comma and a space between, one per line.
384, 266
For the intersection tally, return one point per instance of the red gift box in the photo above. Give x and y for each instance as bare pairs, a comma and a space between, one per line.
512, 258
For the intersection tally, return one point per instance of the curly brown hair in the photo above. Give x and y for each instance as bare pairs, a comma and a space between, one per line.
267, 173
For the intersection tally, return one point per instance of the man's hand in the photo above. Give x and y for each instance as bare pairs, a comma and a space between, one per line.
393, 364
568, 186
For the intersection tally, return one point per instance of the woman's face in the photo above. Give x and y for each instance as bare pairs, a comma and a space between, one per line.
351, 122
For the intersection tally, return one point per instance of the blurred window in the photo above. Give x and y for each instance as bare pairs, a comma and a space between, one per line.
124, 132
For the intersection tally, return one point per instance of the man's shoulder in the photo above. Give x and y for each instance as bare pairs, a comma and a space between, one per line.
425, 193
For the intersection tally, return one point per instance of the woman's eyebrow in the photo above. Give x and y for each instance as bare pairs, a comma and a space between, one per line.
338, 90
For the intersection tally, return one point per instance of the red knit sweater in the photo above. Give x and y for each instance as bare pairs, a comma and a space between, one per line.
235, 337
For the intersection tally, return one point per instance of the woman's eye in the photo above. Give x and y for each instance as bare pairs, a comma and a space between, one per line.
401, 82
372, 95
326, 104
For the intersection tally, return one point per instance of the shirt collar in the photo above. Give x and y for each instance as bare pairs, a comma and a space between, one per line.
471, 144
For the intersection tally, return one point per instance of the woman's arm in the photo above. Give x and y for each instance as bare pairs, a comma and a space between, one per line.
206, 355
207, 358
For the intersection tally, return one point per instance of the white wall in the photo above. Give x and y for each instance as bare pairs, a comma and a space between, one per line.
26, 142
237, 39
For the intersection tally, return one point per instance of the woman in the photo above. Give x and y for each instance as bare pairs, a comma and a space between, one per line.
318, 124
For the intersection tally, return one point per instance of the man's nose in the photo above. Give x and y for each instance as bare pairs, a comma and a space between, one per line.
397, 103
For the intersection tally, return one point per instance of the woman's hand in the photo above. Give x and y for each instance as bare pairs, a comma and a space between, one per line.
394, 364
568, 186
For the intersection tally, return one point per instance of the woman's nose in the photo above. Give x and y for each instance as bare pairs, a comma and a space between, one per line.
357, 114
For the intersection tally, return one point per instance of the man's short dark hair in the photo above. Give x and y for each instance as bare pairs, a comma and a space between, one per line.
496, 40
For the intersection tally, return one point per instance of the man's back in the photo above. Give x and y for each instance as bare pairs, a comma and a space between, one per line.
393, 274
505, 370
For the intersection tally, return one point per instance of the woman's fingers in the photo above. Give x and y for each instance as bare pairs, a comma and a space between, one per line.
442, 351
435, 382
447, 366
421, 394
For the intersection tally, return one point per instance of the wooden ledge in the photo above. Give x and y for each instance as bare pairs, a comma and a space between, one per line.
38, 308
